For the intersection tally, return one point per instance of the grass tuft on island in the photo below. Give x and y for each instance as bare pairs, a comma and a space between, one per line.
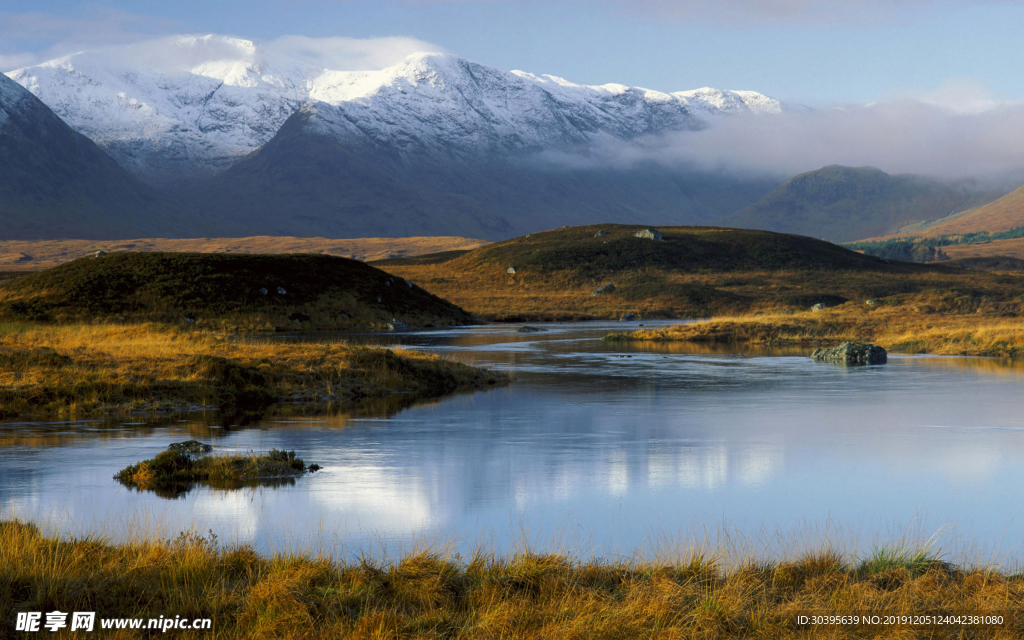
519, 596
68, 371
173, 472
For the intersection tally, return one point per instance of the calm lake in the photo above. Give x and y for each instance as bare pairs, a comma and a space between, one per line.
600, 448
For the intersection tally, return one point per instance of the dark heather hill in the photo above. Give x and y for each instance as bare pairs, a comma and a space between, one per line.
297, 291
843, 204
689, 250
56, 183
691, 272
305, 183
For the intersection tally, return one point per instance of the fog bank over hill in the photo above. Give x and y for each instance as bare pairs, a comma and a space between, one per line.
903, 136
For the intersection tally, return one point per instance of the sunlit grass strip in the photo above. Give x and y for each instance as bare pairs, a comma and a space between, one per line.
520, 595
74, 370
894, 329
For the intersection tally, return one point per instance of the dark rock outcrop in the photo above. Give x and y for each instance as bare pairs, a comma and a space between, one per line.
852, 353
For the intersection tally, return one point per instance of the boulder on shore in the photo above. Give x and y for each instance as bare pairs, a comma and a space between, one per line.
852, 353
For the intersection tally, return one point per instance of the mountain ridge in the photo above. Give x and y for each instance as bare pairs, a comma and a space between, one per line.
55, 182
214, 99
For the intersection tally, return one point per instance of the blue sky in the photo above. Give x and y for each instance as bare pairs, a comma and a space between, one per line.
812, 51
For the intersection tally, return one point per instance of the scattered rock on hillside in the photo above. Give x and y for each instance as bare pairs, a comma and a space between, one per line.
852, 353
629, 317
190, 446
510, 269
820, 306
599, 234
100, 254
649, 234
608, 288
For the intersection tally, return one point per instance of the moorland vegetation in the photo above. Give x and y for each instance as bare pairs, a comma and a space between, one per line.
519, 595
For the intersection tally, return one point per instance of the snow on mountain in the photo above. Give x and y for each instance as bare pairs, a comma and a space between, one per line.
187, 106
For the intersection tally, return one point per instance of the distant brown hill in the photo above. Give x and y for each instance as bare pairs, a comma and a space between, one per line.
1000, 215
32, 255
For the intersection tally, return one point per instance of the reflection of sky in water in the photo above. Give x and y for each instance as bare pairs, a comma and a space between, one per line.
611, 447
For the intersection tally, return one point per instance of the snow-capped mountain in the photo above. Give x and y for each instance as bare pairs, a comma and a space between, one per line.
188, 106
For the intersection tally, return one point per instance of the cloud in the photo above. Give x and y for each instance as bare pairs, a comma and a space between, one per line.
347, 54
897, 136
32, 38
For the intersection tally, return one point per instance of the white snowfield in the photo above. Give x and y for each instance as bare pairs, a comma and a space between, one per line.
193, 105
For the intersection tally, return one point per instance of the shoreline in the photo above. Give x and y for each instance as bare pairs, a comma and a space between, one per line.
66, 371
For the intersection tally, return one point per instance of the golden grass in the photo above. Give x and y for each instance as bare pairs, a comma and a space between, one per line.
32, 255
521, 595
658, 293
76, 370
896, 328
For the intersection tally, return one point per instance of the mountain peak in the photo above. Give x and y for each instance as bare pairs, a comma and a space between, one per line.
186, 106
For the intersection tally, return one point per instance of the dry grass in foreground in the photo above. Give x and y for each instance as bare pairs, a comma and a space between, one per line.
523, 595
896, 328
16, 255
76, 370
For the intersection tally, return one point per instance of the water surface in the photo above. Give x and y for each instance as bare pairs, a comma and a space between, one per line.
605, 446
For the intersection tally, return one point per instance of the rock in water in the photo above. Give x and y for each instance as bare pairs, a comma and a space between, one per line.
529, 329
649, 234
190, 446
852, 353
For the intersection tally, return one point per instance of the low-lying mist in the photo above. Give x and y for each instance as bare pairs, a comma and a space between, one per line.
897, 136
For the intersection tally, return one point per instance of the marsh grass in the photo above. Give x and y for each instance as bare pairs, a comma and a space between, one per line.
522, 594
894, 327
81, 370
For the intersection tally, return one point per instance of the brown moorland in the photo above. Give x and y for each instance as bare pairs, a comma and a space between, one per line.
695, 272
522, 595
32, 255
86, 370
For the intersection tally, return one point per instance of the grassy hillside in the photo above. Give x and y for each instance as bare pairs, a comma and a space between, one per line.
693, 271
1000, 215
846, 203
254, 292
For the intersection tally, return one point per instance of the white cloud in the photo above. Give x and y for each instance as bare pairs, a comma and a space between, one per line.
151, 42
347, 54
